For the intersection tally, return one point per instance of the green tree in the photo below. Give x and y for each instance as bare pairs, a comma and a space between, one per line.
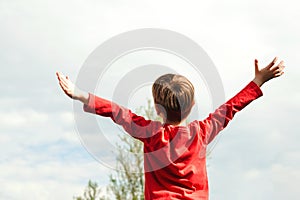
127, 183
91, 192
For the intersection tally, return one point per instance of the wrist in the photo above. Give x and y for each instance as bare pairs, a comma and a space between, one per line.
83, 96
258, 81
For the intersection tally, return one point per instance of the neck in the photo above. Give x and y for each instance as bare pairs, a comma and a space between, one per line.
182, 123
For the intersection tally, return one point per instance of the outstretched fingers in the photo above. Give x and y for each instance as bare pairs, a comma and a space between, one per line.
65, 83
63, 86
279, 68
63, 80
269, 72
272, 63
61, 77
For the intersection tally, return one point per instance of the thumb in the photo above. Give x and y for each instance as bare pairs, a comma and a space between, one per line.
256, 65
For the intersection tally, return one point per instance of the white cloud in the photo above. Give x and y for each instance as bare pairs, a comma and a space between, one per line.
49, 180
252, 174
22, 118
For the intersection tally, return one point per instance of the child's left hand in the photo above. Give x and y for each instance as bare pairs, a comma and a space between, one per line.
269, 72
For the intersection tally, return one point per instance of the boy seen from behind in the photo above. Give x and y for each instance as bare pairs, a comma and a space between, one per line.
174, 154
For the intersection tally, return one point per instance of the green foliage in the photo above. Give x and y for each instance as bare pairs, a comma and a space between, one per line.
128, 181
91, 192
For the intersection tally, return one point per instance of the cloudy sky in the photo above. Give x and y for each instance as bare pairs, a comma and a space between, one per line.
256, 157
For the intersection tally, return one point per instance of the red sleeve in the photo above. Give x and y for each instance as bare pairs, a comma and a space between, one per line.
219, 119
135, 125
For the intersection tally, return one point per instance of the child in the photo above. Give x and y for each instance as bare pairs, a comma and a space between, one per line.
174, 155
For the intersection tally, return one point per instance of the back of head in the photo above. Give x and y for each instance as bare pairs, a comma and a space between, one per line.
174, 94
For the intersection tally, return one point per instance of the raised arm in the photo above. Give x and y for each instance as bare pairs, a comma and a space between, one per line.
219, 119
136, 126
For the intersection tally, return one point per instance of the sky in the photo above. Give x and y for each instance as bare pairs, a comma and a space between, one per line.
256, 157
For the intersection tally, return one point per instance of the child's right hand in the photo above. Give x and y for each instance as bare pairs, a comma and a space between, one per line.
269, 72
71, 90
